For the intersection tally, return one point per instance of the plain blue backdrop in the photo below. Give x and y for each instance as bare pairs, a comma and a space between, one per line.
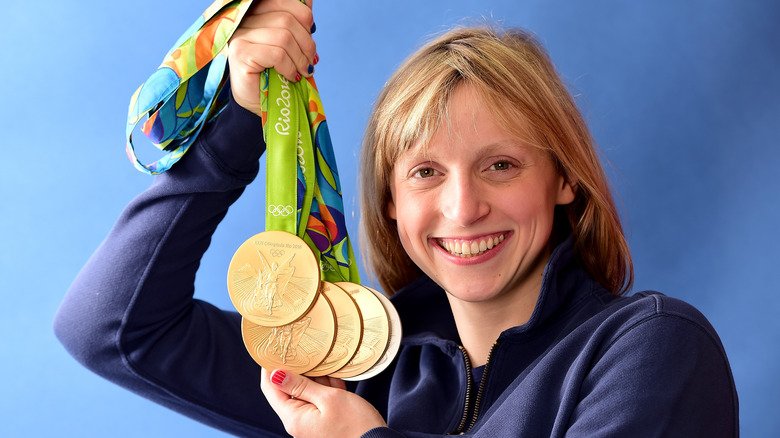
683, 97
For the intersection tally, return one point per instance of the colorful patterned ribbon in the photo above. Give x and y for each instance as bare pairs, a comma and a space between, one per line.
188, 90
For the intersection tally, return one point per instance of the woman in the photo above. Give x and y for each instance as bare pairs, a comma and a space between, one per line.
485, 213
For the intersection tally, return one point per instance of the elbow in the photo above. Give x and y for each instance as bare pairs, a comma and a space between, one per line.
87, 333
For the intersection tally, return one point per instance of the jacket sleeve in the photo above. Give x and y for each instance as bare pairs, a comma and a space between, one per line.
130, 315
665, 375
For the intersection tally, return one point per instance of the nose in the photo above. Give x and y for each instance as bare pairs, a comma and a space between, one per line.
463, 201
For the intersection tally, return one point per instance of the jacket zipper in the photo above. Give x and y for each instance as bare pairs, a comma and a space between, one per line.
467, 404
483, 382
482, 385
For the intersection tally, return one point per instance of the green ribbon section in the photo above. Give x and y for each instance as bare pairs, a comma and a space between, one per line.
287, 135
303, 193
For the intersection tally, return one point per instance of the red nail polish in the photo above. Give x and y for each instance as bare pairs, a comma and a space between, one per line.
278, 377
297, 77
316, 58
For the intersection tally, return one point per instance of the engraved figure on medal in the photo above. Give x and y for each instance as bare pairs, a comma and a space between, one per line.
273, 281
272, 287
292, 346
273, 278
299, 346
282, 342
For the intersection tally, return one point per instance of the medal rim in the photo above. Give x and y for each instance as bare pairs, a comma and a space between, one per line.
326, 289
348, 371
393, 341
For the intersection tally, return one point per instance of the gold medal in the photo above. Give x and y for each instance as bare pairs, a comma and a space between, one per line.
349, 330
298, 347
376, 331
393, 344
273, 278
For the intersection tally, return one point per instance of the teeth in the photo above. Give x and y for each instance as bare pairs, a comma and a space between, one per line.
468, 249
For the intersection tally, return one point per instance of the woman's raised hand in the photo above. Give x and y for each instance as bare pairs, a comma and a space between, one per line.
274, 33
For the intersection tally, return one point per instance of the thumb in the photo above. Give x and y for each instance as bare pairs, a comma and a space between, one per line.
296, 386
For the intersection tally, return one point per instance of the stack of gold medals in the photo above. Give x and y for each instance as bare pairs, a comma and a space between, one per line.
294, 321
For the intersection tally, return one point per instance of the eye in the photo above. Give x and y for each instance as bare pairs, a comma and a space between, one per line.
425, 172
501, 165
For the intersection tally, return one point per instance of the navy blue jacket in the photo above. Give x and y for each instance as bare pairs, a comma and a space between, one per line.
587, 364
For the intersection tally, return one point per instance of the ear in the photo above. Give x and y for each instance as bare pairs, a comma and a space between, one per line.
566, 191
391, 209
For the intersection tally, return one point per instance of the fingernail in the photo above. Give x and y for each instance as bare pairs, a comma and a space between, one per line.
316, 58
313, 27
297, 77
311, 69
278, 377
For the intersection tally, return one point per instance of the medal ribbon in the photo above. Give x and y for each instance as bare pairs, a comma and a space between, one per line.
187, 89
303, 193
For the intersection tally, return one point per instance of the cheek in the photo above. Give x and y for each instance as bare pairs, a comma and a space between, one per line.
405, 235
407, 221
537, 206
413, 220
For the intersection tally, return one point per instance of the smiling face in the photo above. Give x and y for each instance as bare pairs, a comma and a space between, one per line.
474, 208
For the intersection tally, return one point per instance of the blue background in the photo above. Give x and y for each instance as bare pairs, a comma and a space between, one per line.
683, 98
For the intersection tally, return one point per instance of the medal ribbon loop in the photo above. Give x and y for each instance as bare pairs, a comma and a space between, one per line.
187, 89
303, 193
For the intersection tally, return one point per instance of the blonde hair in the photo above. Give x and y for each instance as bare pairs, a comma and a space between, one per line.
513, 73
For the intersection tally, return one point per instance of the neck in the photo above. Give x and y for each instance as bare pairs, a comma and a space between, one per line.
480, 323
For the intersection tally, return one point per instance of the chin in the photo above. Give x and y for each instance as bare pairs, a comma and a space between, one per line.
478, 293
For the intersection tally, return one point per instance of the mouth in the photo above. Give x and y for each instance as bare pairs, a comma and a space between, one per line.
466, 248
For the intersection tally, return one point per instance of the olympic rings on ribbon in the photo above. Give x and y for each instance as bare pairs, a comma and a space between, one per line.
280, 210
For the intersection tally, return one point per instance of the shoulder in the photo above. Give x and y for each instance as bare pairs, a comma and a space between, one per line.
648, 330
657, 360
659, 328
655, 316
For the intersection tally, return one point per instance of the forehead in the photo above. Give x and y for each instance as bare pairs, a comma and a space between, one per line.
469, 117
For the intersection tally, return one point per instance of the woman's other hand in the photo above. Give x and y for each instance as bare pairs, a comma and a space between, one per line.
273, 34
319, 407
